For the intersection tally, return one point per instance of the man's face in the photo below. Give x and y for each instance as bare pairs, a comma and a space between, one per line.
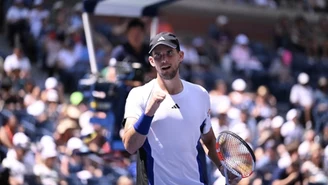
50, 162
136, 36
222, 118
12, 121
20, 153
18, 52
166, 60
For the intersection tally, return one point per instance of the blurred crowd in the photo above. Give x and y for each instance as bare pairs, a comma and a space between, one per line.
319, 6
276, 98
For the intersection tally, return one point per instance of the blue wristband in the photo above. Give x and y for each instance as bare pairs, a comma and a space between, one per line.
142, 126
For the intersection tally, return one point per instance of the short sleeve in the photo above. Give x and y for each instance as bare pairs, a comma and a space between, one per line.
207, 114
6, 65
133, 105
37, 170
293, 97
6, 163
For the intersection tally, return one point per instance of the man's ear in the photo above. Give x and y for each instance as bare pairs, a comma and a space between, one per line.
151, 61
181, 56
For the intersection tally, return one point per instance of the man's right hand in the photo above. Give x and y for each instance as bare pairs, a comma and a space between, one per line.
156, 99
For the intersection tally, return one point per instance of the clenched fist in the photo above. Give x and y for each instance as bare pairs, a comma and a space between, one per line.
156, 99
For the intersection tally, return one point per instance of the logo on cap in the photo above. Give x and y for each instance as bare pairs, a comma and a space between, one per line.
161, 38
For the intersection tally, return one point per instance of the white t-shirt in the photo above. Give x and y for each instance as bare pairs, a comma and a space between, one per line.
292, 132
28, 159
17, 168
66, 59
47, 176
15, 14
13, 62
171, 153
37, 15
301, 94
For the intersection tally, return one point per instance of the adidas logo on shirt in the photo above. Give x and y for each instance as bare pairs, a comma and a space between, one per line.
176, 106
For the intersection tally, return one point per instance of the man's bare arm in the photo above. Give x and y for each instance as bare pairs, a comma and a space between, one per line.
132, 139
209, 141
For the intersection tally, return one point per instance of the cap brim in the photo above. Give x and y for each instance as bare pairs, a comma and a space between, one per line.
163, 43
24, 147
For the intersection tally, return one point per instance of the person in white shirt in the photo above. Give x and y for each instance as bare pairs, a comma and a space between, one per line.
36, 17
46, 171
292, 131
15, 159
301, 96
16, 19
17, 62
242, 55
167, 119
66, 60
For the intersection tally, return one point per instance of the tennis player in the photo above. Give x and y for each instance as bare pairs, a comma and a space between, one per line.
167, 119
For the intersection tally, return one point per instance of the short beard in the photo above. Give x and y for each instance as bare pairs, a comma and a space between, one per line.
171, 75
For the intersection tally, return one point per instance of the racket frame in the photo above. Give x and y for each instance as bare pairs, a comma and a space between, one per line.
222, 158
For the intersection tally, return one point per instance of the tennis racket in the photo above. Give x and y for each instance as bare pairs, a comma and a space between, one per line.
235, 155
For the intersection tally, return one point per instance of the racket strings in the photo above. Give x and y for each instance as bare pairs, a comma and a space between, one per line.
237, 157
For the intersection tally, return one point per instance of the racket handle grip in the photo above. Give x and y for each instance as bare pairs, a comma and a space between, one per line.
226, 176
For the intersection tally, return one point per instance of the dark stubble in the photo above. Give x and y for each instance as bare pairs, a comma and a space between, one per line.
170, 74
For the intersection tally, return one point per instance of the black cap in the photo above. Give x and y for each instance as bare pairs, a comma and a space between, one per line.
164, 38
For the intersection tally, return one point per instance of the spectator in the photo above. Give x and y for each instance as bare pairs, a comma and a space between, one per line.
52, 46
280, 74
292, 131
320, 106
17, 65
8, 129
36, 17
15, 159
241, 54
46, 171
301, 97
17, 24
33, 96
306, 145
313, 167
66, 59
267, 162
76, 19
276, 124
72, 163
239, 97
94, 140
288, 171
245, 127
134, 50
65, 130
220, 122
219, 97
324, 136
218, 31
262, 109
289, 175
191, 56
